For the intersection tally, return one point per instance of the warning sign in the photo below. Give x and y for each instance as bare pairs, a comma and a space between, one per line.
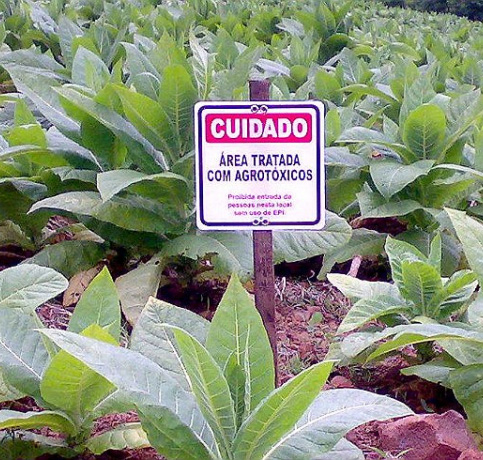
259, 165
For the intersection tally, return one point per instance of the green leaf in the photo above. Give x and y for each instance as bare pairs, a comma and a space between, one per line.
210, 388
28, 286
149, 118
295, 246
467, 385
125, 436
390, 176
137, 286
237, 330
71, 386
164, 187
143, 153
23, 356
177, 96
144, 216
456, 291
398, 252
329, 418
11, 233
32, 79
373, 205
98, 305
366, 90
363, 243
89, 70
28, 420
69, 257
421, 284
279, 412
326, 86
203, 64
356, 289
369, 309
424, 131
470, 233
341, 156
231, 252
171, 438
437, 370
154, 340
169, 414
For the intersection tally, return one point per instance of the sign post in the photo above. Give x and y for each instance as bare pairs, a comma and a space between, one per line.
263, 253
259, 167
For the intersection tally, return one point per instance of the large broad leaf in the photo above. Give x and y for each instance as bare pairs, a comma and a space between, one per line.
373, 205
470, 233
149, 118
467, 384
177, 442
203, 64
89, 70
144, 215
362, 135
70, 385
28, 420
437, 370
404, 335
38, 85
237, 330
154, 340
177, 96
456, 291
126, 436
137, 286
363, 243
142, 151
279, 412
372, 308
295, 246
421, 284
424, 131
399, 252
28, 286
332, 415
23, 356
230, 252
99, 305
357, 289
176, 418
167, 187
69, 257
390, 176
210, 388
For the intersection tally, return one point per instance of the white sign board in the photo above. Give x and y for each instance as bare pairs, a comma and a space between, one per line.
259, 165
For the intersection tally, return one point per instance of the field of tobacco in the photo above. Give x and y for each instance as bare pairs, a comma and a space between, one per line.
127, 333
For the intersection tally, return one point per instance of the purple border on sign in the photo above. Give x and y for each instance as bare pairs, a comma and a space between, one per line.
250, 223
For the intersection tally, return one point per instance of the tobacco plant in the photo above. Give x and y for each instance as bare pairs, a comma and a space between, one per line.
421, 309
72, 395
210, 393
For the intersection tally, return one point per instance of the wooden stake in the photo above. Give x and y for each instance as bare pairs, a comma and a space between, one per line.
263, 253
